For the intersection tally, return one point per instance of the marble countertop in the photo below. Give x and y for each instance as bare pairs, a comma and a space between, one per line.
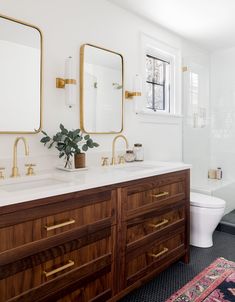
56, 182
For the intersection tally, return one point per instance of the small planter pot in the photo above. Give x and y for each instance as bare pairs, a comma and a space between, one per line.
80, 160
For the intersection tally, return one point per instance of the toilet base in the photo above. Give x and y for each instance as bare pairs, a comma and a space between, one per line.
201, 241
203, 224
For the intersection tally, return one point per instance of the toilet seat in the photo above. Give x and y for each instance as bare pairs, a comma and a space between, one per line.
206, 201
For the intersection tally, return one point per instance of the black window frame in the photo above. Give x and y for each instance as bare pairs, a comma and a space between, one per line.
152, 83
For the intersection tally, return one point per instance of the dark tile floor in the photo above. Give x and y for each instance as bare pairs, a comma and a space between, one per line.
165, 284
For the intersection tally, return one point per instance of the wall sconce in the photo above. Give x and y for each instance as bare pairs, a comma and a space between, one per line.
137, 88
68, 83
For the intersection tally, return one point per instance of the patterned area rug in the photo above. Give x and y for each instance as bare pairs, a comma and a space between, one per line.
216, 283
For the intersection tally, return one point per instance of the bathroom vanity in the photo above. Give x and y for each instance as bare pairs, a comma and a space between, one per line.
95, 240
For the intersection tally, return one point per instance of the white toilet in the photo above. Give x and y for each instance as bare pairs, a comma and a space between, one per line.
205, 214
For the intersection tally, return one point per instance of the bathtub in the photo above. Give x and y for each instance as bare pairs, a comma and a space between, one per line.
224, 189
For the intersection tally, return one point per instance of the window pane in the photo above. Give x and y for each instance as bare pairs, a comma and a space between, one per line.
149, 95
158, 98
157, 84
149, 68
158, 72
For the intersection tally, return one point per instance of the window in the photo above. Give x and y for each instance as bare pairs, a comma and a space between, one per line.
157, 84
161, 74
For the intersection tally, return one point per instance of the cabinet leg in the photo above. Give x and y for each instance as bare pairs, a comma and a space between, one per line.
186, 258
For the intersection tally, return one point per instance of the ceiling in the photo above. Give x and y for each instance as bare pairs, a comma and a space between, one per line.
209, 23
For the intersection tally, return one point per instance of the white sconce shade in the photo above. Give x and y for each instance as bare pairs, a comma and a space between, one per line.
68, 83
70, 86
137, 88
137, 84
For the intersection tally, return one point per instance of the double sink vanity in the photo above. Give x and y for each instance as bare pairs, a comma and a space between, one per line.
92, 235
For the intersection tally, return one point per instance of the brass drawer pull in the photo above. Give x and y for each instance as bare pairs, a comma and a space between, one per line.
164, 221
160, 194
60, 225
165, 250
59, 269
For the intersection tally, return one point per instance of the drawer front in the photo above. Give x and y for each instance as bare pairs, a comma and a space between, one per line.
51, 225
153, 222
171, 188
99, 290
53, 269
143, 262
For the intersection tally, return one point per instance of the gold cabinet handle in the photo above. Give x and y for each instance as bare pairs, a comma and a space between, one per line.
164, 221
165, 250
60, 225
160, 194
59, 269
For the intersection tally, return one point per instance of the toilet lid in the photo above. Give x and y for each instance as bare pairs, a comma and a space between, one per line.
206, 201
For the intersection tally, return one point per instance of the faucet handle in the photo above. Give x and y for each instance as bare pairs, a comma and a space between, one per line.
121, 159
30, 170
113, 161
2, 169
104, 161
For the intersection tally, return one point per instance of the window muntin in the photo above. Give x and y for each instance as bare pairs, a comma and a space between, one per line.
157, 84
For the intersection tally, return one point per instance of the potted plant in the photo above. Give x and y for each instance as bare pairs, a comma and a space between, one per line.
70, 143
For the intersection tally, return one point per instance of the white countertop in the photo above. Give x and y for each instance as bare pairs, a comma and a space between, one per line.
56, 182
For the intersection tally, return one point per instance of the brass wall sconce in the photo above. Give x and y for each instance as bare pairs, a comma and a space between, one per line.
69, 83
137, 88
130, 95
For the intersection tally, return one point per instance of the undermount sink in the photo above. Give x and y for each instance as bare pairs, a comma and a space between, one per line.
136, 168
33, 183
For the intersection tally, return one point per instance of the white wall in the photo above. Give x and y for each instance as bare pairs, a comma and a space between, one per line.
66, 25
223, 111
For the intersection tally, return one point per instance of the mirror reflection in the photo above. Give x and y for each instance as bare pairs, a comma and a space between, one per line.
101, 90
20, 77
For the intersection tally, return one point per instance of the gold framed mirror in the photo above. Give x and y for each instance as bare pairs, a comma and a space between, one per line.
20, 77
101, 90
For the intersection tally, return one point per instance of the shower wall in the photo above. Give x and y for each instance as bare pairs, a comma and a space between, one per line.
223, 111
196, 110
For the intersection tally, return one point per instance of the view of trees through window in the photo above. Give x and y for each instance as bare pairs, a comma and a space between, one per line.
158, 84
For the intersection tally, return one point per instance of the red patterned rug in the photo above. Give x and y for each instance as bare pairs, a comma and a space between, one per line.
216, 283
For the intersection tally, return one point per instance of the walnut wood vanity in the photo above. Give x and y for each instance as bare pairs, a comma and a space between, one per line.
94, 245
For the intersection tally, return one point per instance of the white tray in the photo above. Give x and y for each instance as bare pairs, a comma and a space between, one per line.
72, 169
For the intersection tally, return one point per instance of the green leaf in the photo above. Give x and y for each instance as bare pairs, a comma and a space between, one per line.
68, 150
85, 147
77, 139
76, 132
61, 155
43, 132
95, 145
86, 137
51, 144
45, 139
70, 134
90, 143
63, 129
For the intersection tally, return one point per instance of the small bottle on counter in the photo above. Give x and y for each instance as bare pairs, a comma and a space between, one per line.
139, 152
129, 156
219, 173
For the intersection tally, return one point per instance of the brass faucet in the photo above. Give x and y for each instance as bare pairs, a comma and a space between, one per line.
15, 170
114, 162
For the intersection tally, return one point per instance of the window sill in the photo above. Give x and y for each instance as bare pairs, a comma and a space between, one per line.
146, 116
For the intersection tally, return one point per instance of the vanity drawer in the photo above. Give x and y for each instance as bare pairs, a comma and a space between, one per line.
52, 219
158, 192
145, 259
82, 262
154, 222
